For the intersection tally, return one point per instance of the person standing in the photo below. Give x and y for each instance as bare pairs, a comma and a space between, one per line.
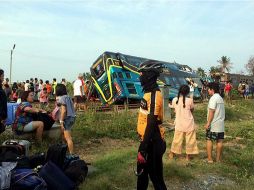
3, 103
54, 83
152, 145
43, 98
215, 122
227, 90
184, 124
78, 91
27, 85
67, 114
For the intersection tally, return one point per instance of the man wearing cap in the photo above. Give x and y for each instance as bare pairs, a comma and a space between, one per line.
152, 144
78, 91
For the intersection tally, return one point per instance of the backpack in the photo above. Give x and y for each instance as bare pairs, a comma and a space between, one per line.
77, 171
57, 153
27, 179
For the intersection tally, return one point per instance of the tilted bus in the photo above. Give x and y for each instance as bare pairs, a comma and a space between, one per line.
115, 77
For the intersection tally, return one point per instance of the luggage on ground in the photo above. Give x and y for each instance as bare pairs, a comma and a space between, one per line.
5, 174
27, 179
77, 171
55, 178
11, 110
57, 153
24, 144
10, 153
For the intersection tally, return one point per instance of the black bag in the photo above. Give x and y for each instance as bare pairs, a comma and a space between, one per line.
77, 171
57, 153
55, 178
37, 159
11, 152
47, 120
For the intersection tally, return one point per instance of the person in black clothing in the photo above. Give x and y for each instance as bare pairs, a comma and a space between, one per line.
3, 103
151, 133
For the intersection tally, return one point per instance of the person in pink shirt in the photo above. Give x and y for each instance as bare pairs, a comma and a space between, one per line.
43, 98
184, 124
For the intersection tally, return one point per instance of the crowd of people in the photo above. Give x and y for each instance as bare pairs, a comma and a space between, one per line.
152, 134
26, 116
152, 141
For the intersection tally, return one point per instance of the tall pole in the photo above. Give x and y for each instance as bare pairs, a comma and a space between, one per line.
11, 62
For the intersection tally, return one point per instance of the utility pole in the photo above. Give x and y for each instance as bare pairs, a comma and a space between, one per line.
11, 61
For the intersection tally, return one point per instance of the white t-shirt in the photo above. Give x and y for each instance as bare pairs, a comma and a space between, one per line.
76, 86
216, 103
27, 85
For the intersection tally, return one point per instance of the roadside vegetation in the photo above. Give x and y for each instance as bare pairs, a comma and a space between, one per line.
109, 142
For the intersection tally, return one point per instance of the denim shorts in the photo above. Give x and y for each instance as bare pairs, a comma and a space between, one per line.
68, 123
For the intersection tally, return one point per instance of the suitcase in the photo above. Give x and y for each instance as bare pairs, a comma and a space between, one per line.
26, 144
11, 110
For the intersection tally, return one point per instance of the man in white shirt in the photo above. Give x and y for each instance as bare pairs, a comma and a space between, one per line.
78, 91
215, 122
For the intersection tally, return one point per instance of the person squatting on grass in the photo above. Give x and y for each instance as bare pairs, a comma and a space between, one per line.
67, 114
215, 122
24, 118
184, 124
152, 145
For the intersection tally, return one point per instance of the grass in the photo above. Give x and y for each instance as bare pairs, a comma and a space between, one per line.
109, 142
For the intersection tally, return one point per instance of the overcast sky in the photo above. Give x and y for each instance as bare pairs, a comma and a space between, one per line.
63, 38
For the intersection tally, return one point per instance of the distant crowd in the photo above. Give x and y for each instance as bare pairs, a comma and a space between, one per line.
43, 90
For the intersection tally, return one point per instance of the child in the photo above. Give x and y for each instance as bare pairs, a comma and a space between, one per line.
184, 124
43, 98
67, 114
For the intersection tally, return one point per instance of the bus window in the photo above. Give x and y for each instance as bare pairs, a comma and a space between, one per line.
114, 75
131, 88
128, 75
98, 68
120, 75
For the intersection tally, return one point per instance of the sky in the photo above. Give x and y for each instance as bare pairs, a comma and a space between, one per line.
62, 38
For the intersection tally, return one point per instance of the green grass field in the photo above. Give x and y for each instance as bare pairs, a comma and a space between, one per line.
109, 142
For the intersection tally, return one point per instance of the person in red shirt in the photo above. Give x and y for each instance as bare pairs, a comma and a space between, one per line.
227, 90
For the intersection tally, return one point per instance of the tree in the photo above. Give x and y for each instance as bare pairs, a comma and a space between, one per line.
201, 72
87, 76
250, 65
225, 64
213, 70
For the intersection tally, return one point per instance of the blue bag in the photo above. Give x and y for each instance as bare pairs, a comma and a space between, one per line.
55, 178
27, 179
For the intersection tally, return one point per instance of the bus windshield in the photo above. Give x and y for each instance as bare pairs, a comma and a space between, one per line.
98, 68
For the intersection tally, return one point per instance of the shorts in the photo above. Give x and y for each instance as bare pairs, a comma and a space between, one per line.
68, 123
78, 99
28, 127
214, 136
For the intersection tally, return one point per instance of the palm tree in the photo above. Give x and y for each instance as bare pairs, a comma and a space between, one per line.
213, 70
225, 64
201, 72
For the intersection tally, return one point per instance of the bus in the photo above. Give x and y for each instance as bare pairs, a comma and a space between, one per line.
115, 77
